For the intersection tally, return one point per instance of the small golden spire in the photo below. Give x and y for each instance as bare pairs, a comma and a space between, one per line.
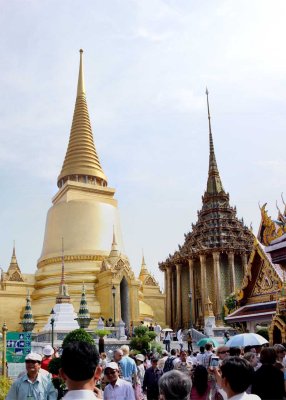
143, 263
114, 252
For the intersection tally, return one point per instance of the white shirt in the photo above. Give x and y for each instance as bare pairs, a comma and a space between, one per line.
200, 358
122, 390
80, 395
244, 396
180, 336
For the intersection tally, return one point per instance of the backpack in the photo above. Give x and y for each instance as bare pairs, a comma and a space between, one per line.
169, 365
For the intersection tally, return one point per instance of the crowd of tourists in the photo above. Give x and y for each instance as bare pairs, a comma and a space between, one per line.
251, 373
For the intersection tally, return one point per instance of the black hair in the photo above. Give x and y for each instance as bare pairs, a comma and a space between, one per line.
173, 352
268, 355
200, 379
79, 360
234, 351
238, 372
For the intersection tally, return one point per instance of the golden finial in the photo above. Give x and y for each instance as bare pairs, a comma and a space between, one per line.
80, 85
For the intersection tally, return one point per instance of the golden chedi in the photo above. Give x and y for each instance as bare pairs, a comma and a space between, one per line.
85, 214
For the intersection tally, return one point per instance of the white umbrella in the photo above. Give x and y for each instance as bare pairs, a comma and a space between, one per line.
167, 330
246, 339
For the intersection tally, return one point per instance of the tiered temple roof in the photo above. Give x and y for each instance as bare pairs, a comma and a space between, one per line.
217, 227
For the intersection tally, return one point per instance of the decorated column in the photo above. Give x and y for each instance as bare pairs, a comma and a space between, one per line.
231, 270
179, 295
218, 305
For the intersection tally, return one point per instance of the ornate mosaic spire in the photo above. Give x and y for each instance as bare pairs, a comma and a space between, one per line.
28, 322
83, 318
214, 184
81, 162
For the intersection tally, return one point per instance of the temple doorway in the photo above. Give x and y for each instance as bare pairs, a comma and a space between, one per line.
124, 301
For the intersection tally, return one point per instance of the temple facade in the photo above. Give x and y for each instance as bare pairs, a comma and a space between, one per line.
85, 215
261, 302
211, 262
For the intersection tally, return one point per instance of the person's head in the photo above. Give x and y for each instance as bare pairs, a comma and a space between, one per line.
103, 356
154, 362
165, 353
280, 351
208, 346
234, 351
125, 349
79, 362
251, 358
139, 359
48, 351
222, 352
268, 355
200, 379
202, 349
33, 363
174, 385
183, 356
237, 375
173, 352
111, 372
117, 355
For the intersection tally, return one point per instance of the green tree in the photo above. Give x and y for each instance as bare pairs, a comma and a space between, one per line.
5, 384
143, 339
78, 335
263, 332
101, 333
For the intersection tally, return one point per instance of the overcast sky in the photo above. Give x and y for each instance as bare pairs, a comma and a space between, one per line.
147, 64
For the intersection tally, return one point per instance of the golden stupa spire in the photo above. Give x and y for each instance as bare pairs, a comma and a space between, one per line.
14, 263
214, 184
114, 252
143, 264
81, 161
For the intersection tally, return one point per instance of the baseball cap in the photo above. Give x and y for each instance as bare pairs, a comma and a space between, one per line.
112, 365
33, 357
140, 357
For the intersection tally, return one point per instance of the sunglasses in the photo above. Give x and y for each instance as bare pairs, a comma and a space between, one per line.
31, 362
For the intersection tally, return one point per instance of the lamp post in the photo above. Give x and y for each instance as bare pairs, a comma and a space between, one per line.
113, 291
52, 323
4, 332
190, 297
